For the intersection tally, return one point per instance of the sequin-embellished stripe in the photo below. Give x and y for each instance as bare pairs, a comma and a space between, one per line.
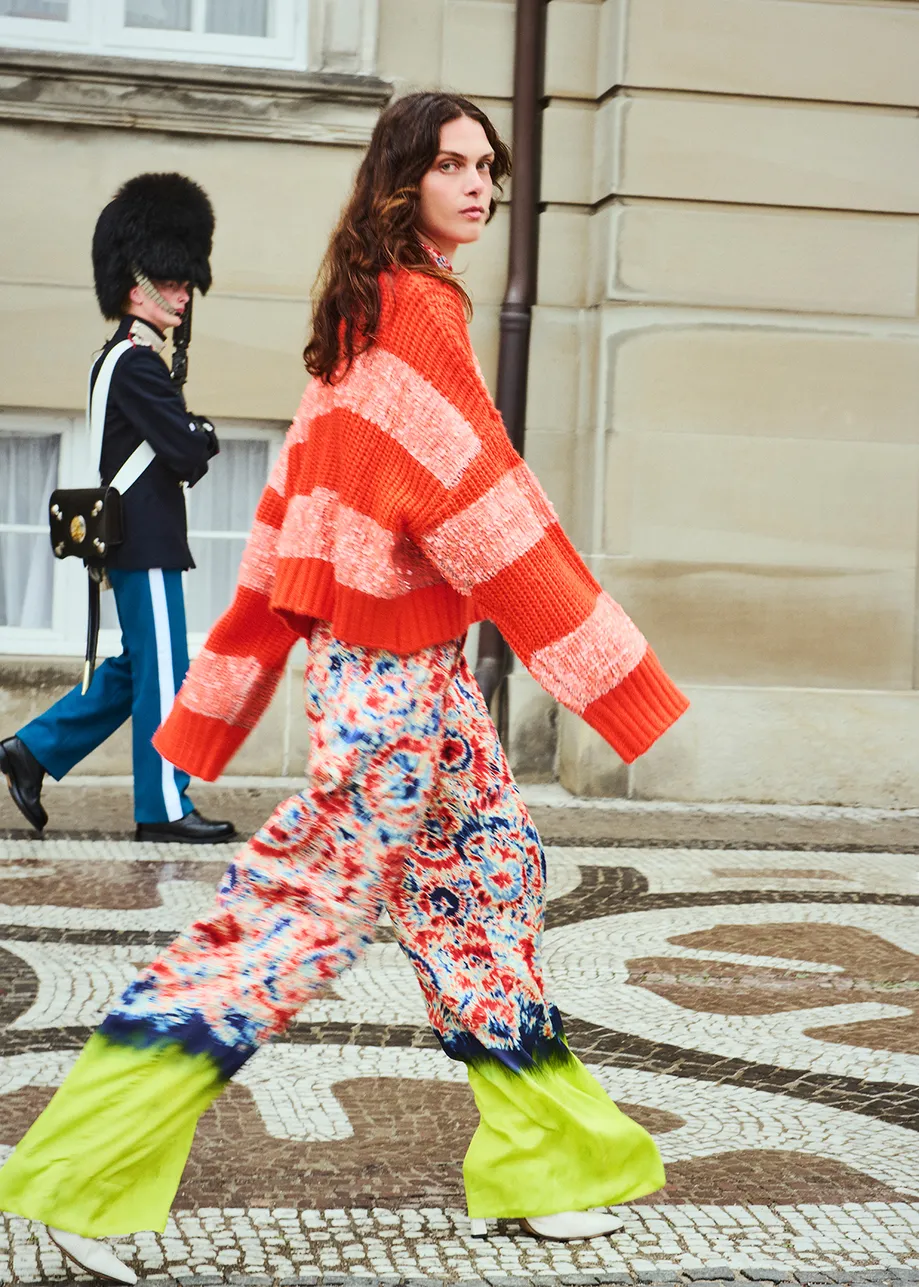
233, 689
307, 532
300, 426
383, 389
366, 556
260, 558
530, 484
592, 659
277, 479
491, 533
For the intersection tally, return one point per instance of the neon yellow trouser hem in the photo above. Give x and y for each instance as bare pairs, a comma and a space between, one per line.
552, 1140
106, 1156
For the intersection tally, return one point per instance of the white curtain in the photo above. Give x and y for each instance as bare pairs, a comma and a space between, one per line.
162, 15
28, 476
224, 501
53, 10
237, 17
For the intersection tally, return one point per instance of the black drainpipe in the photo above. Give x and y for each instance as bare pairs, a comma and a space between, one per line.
494, 657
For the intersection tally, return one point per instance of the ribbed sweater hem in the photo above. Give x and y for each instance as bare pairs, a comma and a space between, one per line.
634, 714
199, 744
305, 591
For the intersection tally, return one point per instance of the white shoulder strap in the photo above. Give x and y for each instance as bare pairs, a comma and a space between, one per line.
97, 405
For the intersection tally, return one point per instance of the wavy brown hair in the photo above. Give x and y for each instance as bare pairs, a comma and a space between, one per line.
377, 230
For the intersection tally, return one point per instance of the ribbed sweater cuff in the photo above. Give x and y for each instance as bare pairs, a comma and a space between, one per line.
633, 715
200, 745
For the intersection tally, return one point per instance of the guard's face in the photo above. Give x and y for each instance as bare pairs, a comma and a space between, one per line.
176, 296
456, 191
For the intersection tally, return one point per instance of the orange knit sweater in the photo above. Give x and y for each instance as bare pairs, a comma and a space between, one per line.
399, 512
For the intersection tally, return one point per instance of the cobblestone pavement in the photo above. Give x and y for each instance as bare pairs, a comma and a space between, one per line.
757, 1010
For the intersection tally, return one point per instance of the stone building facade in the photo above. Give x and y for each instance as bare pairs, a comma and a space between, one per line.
724, 380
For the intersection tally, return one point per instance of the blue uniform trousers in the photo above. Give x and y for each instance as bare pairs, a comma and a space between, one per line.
141, 683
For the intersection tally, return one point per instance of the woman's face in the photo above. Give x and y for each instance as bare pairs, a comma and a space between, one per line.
456, 191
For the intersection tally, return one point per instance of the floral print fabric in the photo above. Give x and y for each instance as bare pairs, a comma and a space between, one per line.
410, 805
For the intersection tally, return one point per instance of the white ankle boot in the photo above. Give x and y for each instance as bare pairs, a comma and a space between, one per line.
566, 1226
569, 1226
95, 1257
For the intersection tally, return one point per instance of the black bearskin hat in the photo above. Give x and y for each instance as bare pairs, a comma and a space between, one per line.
161, 225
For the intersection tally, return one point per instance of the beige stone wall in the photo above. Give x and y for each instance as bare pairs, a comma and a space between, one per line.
276, 200
723, 387
746, 176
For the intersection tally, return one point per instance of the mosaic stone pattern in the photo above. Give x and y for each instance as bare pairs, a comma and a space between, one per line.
757, 1011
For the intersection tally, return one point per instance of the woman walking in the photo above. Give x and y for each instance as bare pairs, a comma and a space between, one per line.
396, 516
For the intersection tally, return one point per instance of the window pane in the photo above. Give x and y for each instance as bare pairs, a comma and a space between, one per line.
237, 17
28, 475
52, 10
164, 15
224, 501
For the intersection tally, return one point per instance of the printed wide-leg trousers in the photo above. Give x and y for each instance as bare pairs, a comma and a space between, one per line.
410, 806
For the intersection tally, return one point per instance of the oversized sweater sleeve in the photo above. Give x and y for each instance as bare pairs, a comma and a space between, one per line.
494, 536
234, 676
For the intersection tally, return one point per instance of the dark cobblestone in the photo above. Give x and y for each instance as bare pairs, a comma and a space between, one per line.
392, 1162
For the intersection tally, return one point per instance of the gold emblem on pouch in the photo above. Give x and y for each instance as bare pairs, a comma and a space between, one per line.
78, 529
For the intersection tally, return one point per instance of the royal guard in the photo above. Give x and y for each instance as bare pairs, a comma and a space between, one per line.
151, 249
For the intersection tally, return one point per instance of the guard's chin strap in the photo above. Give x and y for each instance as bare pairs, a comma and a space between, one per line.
151, 292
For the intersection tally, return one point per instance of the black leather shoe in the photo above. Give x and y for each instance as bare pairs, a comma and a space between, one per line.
24, 777
190, 830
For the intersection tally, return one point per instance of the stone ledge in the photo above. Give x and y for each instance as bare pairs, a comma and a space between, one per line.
94, 805
189, 98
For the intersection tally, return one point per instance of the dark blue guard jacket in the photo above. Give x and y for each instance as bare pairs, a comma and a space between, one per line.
144, 404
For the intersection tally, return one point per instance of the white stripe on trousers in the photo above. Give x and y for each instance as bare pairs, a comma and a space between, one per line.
166, 683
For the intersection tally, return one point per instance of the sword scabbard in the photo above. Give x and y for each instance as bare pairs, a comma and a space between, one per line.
92, 630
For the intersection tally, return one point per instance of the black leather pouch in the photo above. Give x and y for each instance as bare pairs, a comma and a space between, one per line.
85, 522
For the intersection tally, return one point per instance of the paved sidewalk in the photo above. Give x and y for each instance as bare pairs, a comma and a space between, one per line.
755, 1008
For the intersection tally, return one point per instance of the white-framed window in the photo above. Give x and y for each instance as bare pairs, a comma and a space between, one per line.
220, 512
243, 33
43, 599
29, 468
